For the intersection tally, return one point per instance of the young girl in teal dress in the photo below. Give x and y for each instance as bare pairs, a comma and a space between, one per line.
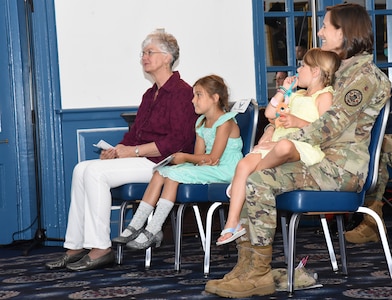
217, 151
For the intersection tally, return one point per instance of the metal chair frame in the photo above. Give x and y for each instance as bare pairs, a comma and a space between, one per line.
337, 202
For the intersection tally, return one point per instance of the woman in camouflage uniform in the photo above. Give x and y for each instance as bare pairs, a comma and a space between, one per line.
343, 133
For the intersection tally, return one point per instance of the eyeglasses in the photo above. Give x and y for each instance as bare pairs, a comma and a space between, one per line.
149, 53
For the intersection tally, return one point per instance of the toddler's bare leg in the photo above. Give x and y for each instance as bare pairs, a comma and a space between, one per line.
283, 152
244, 168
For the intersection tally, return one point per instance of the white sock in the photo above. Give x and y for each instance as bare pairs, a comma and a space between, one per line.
162, 210
140, 217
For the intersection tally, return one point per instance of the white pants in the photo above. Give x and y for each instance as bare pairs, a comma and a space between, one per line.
89, 213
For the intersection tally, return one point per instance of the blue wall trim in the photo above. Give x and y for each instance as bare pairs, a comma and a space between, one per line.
18, 208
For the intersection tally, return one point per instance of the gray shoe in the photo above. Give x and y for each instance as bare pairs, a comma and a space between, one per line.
64, 260
86, 263
151, 239
125, 239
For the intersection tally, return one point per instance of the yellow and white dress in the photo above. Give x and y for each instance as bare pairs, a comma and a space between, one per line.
303, 107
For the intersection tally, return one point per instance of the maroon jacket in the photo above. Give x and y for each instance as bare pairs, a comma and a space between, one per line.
169, 121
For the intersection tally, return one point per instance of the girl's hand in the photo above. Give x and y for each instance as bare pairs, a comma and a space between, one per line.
288, 81
208, 162
291, 121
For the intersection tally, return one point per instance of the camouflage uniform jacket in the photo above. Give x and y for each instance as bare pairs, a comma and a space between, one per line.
343, 132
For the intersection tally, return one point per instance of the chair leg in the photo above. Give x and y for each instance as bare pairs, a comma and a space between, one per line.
120, 248
207, 251
200, 226
147, 259
222, 221
383, 235
342, 243
294, 220
178, 237
389, 202
173, 222
328, 239
178, 234
284, 225
222, 218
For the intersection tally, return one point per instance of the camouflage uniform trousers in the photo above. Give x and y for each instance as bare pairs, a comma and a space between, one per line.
383, 174
259, 211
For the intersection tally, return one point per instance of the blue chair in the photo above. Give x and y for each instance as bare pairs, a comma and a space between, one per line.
217, 196
130, 194
300, 202
388, 189
194, 194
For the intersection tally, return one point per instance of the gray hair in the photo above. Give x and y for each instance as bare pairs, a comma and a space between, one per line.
165, 42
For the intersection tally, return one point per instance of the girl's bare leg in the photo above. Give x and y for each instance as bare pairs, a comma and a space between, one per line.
153, 190
162, 210
170, 190
237, 197
283, 152
150, 199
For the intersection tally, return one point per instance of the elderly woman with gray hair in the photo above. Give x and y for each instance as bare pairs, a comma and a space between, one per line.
164, 125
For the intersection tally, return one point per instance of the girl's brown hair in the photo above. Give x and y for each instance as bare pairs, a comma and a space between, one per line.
214, 84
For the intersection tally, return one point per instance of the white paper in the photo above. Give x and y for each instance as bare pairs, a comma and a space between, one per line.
241, 105
163, 162
103, 145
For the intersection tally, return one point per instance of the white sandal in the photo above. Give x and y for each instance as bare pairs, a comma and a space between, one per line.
236, 233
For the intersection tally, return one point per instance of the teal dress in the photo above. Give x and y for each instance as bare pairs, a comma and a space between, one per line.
222, 172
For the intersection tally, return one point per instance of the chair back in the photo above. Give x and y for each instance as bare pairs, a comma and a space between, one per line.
339, 201
376, 139
247, 122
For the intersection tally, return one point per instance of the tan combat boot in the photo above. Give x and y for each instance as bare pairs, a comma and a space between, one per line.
367, 230
242, 265
257, 280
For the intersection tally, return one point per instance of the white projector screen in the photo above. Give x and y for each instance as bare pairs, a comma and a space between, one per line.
99, 42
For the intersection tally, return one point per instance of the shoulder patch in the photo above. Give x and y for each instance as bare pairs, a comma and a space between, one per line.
353, 98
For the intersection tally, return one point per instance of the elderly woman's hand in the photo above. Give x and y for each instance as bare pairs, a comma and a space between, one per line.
120, 151
123, 151
108, 154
